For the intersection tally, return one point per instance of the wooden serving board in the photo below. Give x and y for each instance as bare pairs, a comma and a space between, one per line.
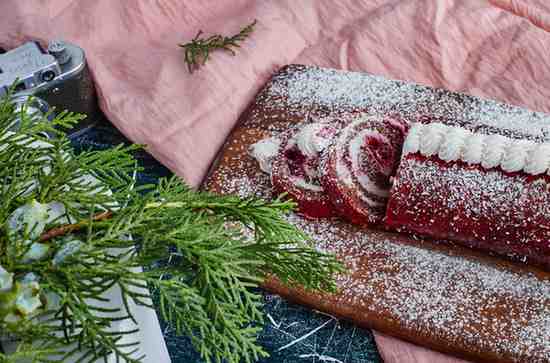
431, 293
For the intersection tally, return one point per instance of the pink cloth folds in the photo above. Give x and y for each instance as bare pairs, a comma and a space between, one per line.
495, 48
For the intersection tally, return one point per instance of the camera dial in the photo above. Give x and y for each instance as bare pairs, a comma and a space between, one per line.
58, 49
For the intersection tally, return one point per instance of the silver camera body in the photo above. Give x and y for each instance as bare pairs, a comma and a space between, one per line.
59, 76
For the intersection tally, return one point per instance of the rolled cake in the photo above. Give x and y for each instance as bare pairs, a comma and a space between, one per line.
294, 169
441, 296
489, 192
358, 166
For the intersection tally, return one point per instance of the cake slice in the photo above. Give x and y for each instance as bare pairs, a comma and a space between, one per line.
295, 169
489, 192
356, 169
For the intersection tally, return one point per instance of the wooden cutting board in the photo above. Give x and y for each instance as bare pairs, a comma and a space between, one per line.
430, 293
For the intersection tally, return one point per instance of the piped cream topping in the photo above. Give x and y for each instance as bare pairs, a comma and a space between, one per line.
412, 141
431, 139
539, 160
493, 152
516, 156
452, 143
473, 149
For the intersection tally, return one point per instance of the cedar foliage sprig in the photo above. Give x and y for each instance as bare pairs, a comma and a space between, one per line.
204, 254
198, 50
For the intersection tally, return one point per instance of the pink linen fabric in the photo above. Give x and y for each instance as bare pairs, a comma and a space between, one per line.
495, 48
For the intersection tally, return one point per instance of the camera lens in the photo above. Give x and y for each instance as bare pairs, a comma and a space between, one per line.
47, 76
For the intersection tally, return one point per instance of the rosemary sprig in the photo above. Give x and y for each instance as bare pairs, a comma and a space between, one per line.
198, 50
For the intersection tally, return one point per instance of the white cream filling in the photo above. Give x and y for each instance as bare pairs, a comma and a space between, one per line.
342, 171
344, 174
264, 151
355, 155
309, 142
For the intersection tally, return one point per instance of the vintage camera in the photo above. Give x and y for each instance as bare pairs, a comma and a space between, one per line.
57, 77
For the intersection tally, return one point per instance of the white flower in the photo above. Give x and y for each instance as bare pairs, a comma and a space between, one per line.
30, 277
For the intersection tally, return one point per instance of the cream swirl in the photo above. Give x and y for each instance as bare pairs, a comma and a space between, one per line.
310, 140
516, 155
431, 138
539, 160
473, 149
364, 179
493, 153
264, 151
453, 144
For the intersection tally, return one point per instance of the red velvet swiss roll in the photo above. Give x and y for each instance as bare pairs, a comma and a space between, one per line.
488, 192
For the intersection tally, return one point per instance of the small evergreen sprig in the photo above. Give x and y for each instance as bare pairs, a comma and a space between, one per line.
198, 50
73, 227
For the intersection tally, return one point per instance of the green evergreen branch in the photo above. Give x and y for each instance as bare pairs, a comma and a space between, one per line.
214, 252
198, 50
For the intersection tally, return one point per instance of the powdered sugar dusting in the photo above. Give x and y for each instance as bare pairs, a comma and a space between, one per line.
488, 310
488, 209
309, 87
432, 291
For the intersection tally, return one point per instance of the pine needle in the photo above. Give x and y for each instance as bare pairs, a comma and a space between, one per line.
198, 50
204, 255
